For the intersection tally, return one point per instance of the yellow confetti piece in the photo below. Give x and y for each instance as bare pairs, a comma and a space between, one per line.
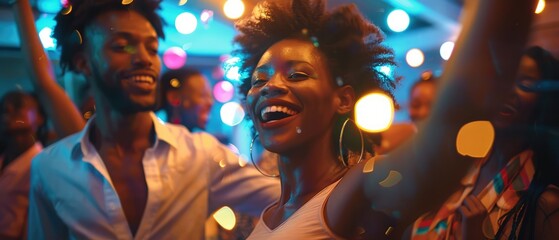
391, 180
225, 217
369, 165
67, 10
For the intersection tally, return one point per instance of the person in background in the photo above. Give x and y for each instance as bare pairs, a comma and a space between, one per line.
422, 97
512, 193
126, 174
23, 133
186, 98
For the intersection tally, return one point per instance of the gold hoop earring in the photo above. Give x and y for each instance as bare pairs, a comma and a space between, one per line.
341, 155
254, 163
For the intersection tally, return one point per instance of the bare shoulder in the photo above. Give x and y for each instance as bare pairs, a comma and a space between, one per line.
549, 200
547, 219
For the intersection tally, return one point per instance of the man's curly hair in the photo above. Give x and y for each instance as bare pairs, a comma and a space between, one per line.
78, 14
351, 44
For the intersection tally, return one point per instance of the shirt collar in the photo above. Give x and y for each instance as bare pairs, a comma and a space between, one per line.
162, 133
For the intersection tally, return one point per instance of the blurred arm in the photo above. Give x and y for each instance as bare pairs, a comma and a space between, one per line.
421, 174
57, 104
242, 188
482, 68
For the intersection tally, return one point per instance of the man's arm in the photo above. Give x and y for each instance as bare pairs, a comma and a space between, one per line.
243, 189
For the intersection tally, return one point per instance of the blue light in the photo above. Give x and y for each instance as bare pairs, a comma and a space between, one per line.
45, 23
46, 39
446, 50
232, 113
49, 6
186, 23
386, 70
231, 68
398, 20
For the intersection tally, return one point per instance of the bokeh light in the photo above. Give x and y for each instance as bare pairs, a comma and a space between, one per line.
186, 23
217, 72
223, 91
234, 9
233, 73
225, 217
46, 23
206, 17
174, 58
231, 68
126, 2
46, 39
182, 2
52, 6
175, 83
370, 165
233, 148
374, 112
386, 70
475, 139
398, 20
540, 7
415, 57
446, 50
232, 113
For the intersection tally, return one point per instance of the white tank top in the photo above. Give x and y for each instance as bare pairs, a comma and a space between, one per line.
307, 222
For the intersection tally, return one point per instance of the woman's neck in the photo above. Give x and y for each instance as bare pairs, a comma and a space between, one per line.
307, 171
508, 144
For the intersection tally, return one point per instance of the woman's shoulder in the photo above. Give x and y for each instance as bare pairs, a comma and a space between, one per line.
549, 200
547, 219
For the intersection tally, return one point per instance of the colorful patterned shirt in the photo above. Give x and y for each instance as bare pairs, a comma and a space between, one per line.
498, 197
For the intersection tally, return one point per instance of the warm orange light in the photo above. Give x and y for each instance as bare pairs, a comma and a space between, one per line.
540, 7
475, 139
225, 218
374, 112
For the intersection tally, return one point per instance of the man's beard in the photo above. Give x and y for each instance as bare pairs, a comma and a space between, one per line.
119, 100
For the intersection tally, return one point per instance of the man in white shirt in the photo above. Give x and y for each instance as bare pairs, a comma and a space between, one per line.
127, 175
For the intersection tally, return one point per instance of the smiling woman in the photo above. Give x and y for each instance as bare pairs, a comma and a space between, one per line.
304, 68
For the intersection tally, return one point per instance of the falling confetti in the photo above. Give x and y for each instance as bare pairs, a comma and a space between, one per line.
393, 178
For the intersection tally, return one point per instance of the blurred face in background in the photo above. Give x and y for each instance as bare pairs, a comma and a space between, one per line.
19, 117
422, 98
195, 102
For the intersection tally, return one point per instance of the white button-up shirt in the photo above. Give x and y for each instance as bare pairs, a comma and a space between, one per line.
188, 175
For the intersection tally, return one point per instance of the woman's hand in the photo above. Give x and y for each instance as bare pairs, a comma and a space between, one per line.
472, 213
